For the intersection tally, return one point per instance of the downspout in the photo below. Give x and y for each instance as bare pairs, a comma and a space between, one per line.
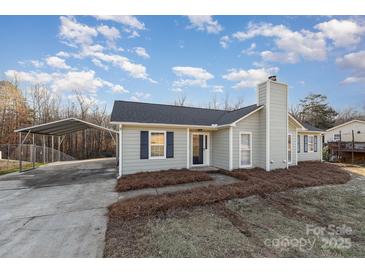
120, 151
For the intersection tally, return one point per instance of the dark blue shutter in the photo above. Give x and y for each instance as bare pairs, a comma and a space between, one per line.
305, 143
169, 145
298, 143
144, 145
315, 143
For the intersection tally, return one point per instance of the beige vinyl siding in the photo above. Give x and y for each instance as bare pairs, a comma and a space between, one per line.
346, 132
278, 125
250, 124
131, 151
220, 148
309, 156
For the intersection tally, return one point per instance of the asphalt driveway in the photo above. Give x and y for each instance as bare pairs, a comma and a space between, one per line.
58, 210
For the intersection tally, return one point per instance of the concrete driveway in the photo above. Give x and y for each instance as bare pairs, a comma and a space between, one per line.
58, 210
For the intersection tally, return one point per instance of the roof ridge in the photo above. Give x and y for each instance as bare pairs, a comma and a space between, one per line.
169, 105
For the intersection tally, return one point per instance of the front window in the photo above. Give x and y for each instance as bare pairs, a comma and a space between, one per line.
310, 143
245, 150
336, 137
157, 144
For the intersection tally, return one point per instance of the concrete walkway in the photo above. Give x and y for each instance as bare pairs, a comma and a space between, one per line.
218, 180
58, 210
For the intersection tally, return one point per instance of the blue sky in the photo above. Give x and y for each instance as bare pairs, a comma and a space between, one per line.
158, 58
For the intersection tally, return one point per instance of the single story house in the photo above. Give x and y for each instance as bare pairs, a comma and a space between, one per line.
157, 137
346, 142
344, 132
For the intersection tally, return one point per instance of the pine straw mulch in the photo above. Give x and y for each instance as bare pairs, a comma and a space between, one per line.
160, 179
253, 182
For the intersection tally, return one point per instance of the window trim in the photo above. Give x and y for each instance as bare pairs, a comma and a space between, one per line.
334, 139
309, 136
239, 157
291, 148
150, 144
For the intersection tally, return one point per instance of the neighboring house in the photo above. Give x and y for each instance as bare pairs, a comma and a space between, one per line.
346, 142
158, 137
344, 132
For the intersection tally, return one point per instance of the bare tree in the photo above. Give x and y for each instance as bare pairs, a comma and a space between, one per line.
348, 114
181, 100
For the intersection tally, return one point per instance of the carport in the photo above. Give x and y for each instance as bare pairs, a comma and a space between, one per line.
58, 129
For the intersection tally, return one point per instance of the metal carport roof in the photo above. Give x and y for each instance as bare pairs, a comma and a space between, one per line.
62, 127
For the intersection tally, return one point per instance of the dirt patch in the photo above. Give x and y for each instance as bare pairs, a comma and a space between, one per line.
160, 179
357, 169
253, 182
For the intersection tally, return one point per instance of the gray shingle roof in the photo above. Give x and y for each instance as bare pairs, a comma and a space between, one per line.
310, 127
126, 111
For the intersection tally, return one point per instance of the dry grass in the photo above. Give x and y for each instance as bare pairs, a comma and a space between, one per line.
160, 178
253, 182
357, 169
9, 166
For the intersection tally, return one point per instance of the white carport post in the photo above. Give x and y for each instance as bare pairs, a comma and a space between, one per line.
52, 150
34, 151
20, 152
120, 149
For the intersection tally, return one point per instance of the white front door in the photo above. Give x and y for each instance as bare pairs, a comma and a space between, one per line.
200, 149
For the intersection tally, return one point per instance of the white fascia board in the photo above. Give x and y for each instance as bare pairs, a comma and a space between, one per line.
247, 115
295, 120
164, 125
344, 124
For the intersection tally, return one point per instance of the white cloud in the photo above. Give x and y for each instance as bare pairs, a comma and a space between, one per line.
355, 61
56, 62
36, 63
135, 70
281, 57
110, 33
297, 44
119, 89
141, 52
248, 78
191, 76
63, 54
139, 96
127, 20
29, 77
217, 89
99, 64
76, 33
344, 33
81, 36
354, 80
83, 81
205, 23
224, 41
250, 50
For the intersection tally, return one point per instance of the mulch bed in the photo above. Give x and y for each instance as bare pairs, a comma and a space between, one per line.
252, 182
160, 179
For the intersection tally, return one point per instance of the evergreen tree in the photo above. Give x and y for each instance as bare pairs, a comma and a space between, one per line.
315, 110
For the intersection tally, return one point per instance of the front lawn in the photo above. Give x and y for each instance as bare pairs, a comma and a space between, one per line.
9, 166
224, 224
160, 179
